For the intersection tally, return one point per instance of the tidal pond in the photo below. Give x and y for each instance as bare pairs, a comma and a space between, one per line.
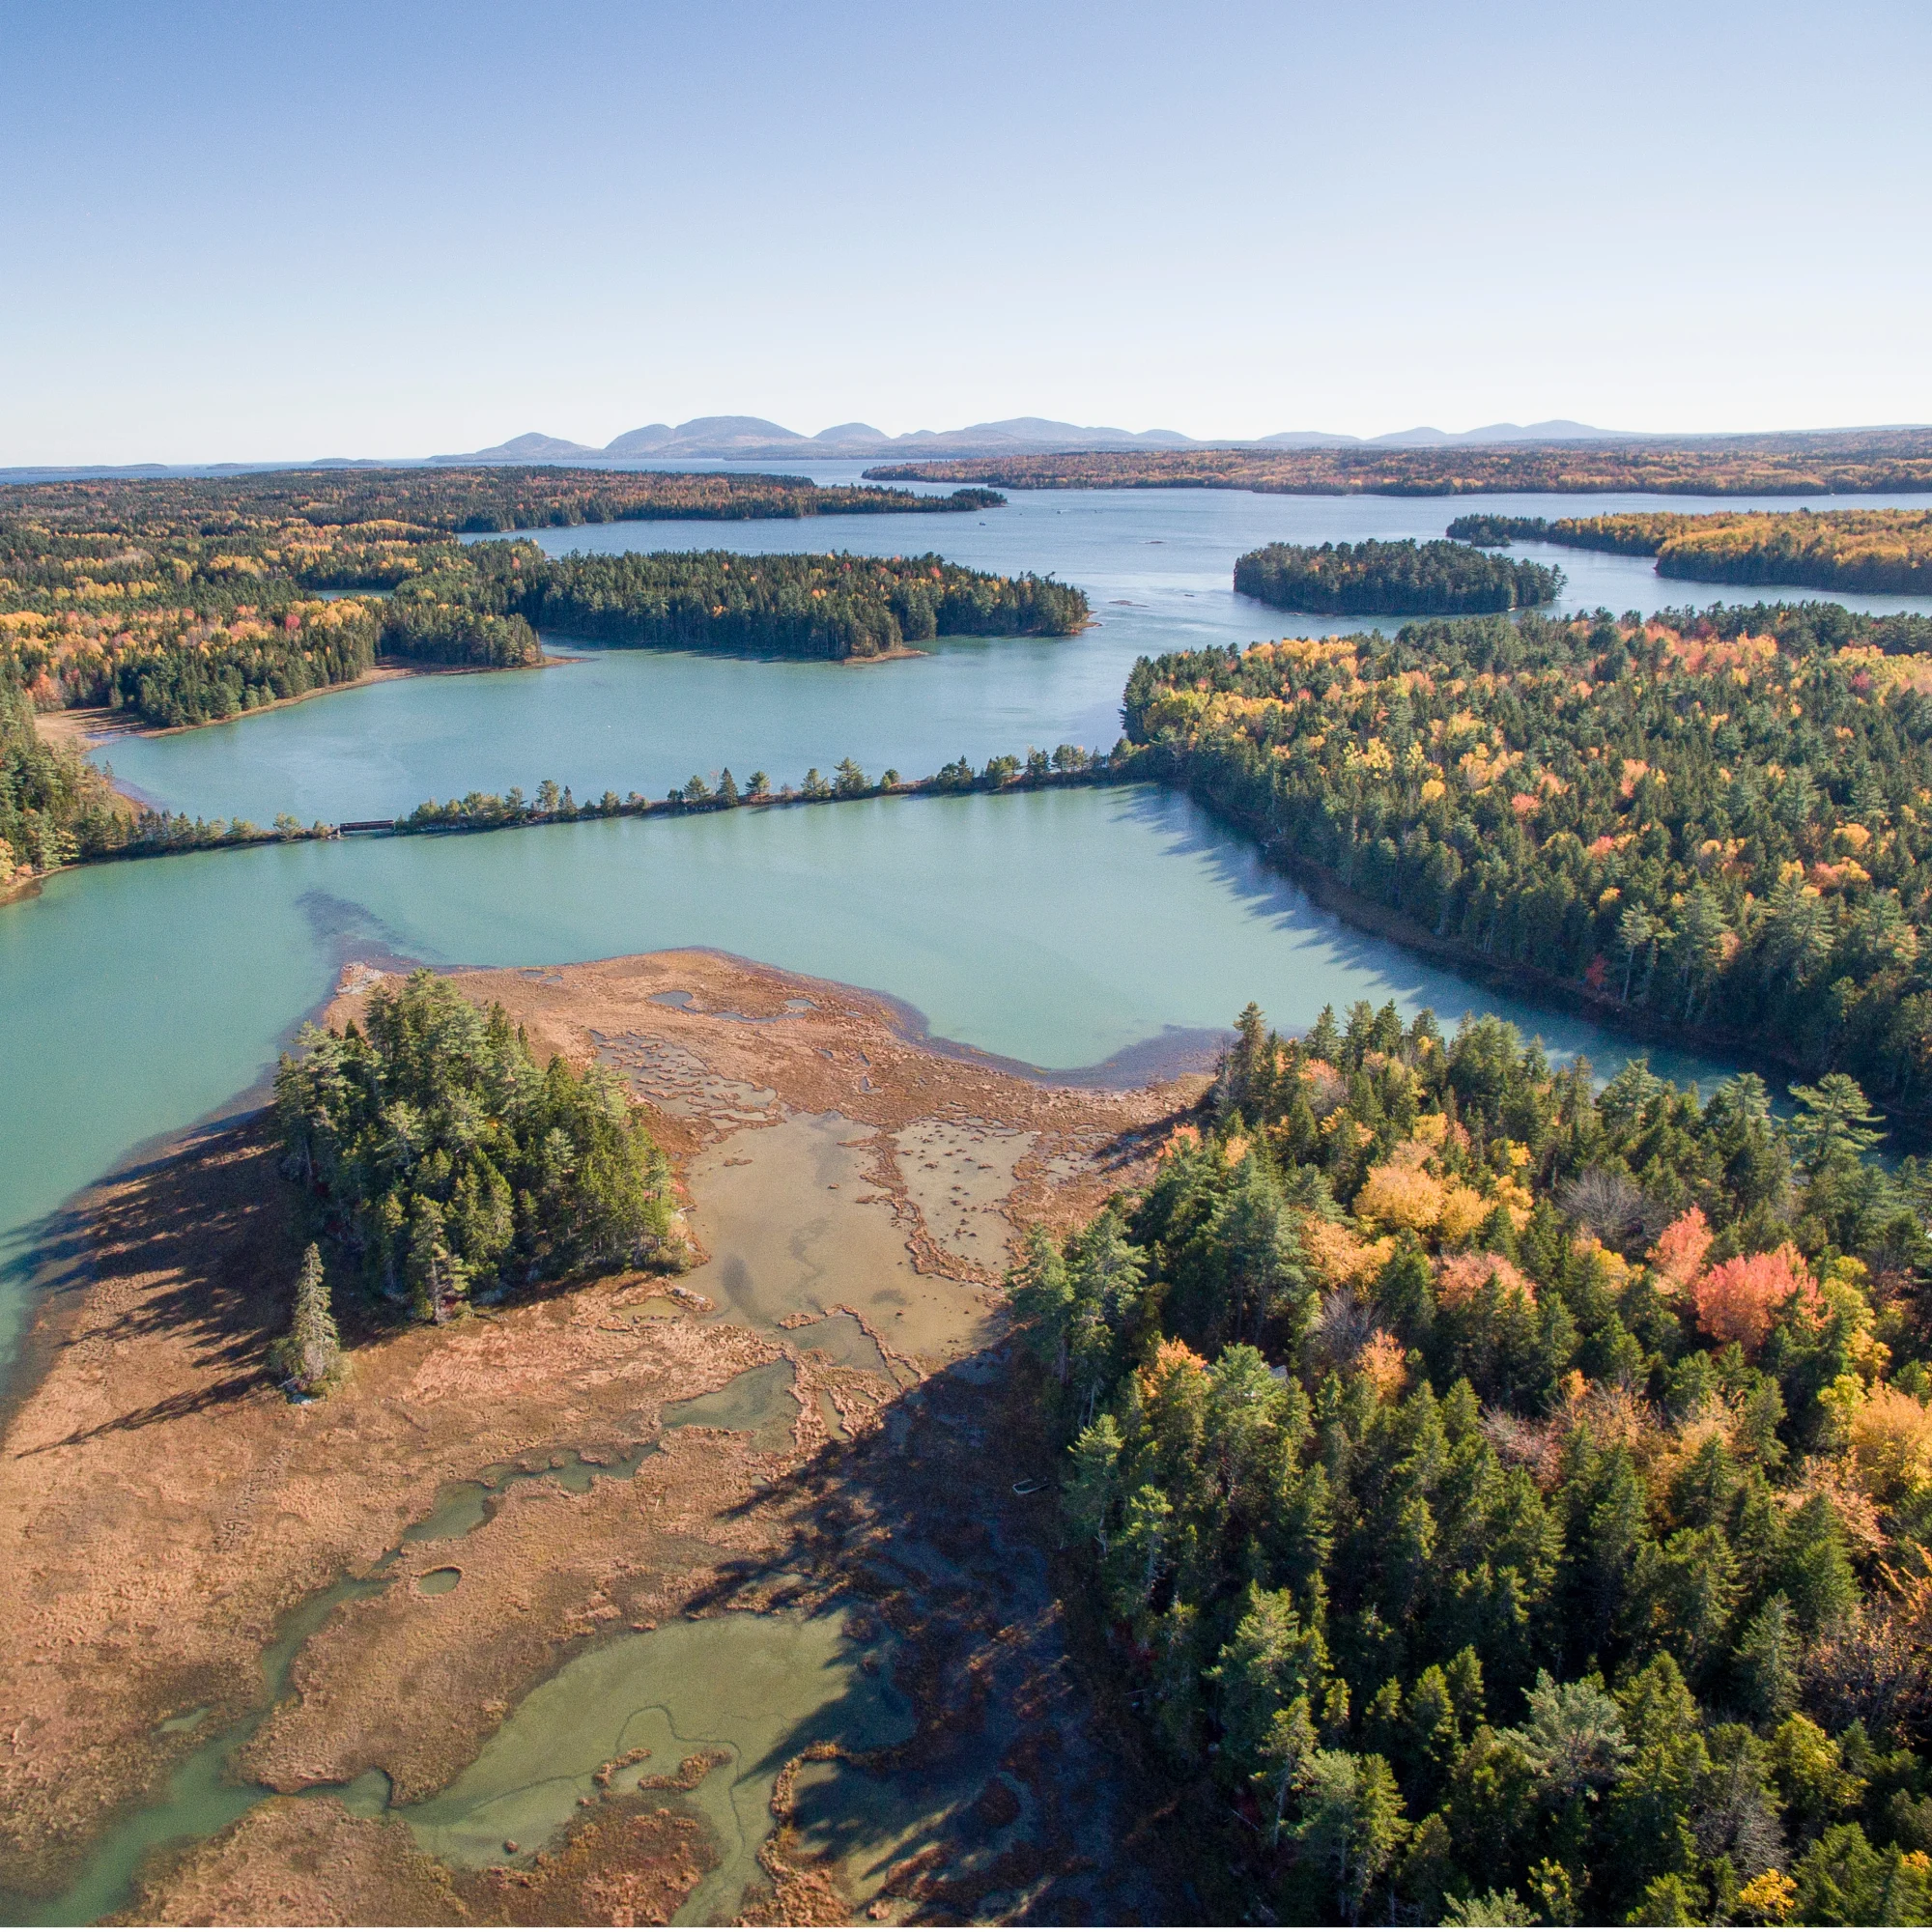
747, 1692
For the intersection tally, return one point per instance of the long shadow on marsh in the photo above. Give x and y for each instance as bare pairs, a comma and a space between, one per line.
1005, 1799
210, 1224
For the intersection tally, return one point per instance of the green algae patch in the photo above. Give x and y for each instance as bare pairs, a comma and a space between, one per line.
752, 1692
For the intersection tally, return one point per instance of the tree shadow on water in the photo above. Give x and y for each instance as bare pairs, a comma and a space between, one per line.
1002, 1784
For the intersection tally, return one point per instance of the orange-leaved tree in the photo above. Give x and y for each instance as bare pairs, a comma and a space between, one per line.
1739, 1299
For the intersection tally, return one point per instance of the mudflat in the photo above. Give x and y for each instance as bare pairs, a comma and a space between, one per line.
815, 1426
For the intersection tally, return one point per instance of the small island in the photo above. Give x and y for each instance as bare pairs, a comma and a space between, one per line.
1404, 578
815, 605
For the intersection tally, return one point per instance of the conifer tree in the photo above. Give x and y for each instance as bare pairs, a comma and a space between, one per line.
309, 1357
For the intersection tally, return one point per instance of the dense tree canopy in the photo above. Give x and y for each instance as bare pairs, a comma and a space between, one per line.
1405, 579
1513, 1503
444, 1162
1789, 465
1718, 822
186, 600
825, 606
53, 803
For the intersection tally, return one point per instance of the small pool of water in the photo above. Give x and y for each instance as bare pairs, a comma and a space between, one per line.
758, 1403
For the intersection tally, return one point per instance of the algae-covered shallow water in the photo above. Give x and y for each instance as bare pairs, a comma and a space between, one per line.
1056, 928
753, 1691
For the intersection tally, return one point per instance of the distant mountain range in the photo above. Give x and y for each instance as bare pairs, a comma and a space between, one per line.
751, 439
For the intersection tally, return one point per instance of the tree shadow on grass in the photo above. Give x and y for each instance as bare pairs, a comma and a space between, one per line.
203, 1242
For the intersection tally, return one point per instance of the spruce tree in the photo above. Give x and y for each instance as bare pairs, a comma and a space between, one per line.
309, 1357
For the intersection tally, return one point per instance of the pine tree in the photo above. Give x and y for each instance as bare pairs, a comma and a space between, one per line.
309, 1357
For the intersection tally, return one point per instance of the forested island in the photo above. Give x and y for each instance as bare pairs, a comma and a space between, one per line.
181, 600
1403, 577
1505, 1506
1828, 549
831, 606
1715, 825
441, 1161
1785, 465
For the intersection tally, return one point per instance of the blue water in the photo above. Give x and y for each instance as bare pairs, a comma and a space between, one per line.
1156, 565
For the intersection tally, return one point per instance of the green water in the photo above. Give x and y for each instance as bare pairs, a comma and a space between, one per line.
1060, 928
203, 1797
758, 1690
461, 1507
757, 1402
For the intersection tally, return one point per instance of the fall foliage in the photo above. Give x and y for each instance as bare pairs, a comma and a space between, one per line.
1552, 1574
1720, 821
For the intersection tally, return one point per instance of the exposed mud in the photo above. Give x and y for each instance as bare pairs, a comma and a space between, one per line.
772, 1438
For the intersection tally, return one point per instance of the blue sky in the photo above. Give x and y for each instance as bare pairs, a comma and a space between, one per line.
292, 230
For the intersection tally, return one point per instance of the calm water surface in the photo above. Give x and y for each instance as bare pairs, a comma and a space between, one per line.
1156, 565
1056, 928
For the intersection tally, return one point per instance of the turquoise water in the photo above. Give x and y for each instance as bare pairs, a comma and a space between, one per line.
1156, 565
1056, 928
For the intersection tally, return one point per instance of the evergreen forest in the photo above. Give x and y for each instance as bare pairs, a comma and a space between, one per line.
444, 1164
1505, 1503
830, 606
1406, 578
1711, 825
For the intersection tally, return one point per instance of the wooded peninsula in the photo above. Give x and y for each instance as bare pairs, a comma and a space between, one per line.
1717, 824
1405, 577
182, 600
1829, 550
1788, 466
1506, 1505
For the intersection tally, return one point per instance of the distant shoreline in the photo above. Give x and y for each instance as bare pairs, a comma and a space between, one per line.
86, 726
